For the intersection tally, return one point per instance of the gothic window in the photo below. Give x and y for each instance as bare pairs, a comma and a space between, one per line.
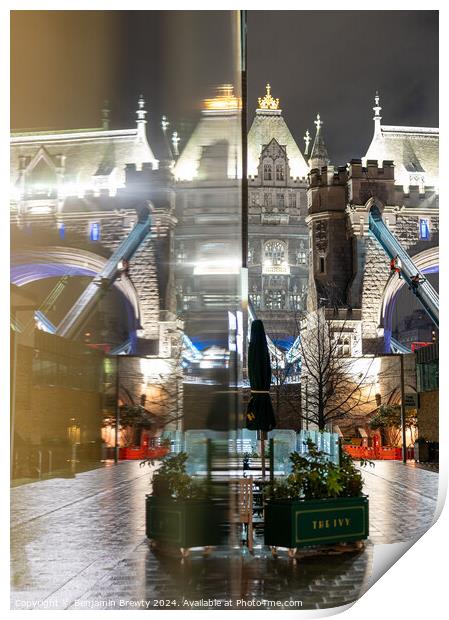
280, 172
41, 181
321, 236
275, 252
255, 299
424, 230
267, 172
94, 231
296, 301
301, 257
281, 202
254, 199
292, 200
343, 348
267, 200
275, 299
275, 257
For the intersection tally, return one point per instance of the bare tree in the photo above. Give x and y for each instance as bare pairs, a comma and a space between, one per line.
336, 383
286, 377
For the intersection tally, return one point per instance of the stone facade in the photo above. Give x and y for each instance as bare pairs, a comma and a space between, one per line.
278, 238
117, 175
346, 261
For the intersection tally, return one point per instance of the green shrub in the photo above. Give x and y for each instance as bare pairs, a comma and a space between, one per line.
315, 477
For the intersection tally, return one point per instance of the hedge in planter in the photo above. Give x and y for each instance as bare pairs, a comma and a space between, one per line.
181, 511
318, 503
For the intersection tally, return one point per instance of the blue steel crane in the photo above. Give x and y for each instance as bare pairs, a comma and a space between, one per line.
425, 292
85, 304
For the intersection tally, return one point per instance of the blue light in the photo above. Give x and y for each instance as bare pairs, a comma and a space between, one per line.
424, 232
95, 231
62, 231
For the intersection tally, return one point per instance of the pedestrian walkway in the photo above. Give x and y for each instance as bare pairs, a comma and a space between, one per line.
80, 543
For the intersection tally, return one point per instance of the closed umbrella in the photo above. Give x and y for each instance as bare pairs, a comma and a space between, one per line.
259, 413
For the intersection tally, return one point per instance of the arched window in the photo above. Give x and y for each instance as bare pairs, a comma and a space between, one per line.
280, 172
275, 257
275, 299
275, 252
267, 172
344, 346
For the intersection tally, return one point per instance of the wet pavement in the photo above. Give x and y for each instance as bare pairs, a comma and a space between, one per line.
80, 543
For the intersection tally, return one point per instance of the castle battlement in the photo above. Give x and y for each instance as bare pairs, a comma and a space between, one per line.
416, 196
327, 176
372, 170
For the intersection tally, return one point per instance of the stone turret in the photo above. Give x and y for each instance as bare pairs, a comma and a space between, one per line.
318, 156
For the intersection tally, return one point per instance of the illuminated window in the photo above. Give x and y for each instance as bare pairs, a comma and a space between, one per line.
275, 252
424, 231
275, 257
275, 299
94, 231
296, 301
280, 172
267, 172
343, 348
255, 300
302, 257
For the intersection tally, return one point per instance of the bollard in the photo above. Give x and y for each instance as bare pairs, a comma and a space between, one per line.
73, 460
39, 464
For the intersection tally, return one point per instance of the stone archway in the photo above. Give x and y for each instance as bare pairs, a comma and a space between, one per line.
427, 262
37, 264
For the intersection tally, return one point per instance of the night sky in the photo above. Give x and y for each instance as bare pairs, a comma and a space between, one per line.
64, 64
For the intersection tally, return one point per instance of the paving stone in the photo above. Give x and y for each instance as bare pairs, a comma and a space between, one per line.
80, 542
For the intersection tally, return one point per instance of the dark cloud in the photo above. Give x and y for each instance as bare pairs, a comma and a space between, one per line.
332, 62
65, 63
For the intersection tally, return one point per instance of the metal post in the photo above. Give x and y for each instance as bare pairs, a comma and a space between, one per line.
117, 409
13, 396
271, 460
262, 451
73, 460
39, 463
404, 445
244, 137
307, 405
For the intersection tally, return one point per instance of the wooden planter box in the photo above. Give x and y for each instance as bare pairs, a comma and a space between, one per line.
303, 523
185, 523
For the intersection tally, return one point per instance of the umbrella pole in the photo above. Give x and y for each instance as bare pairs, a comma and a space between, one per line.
262, 449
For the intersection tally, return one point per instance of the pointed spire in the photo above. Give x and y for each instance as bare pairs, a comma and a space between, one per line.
307, 140
318, 156
376, 109
175, 139
105, 112
141, 114
164, 123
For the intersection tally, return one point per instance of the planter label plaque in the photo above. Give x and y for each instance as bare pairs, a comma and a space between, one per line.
328, 523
